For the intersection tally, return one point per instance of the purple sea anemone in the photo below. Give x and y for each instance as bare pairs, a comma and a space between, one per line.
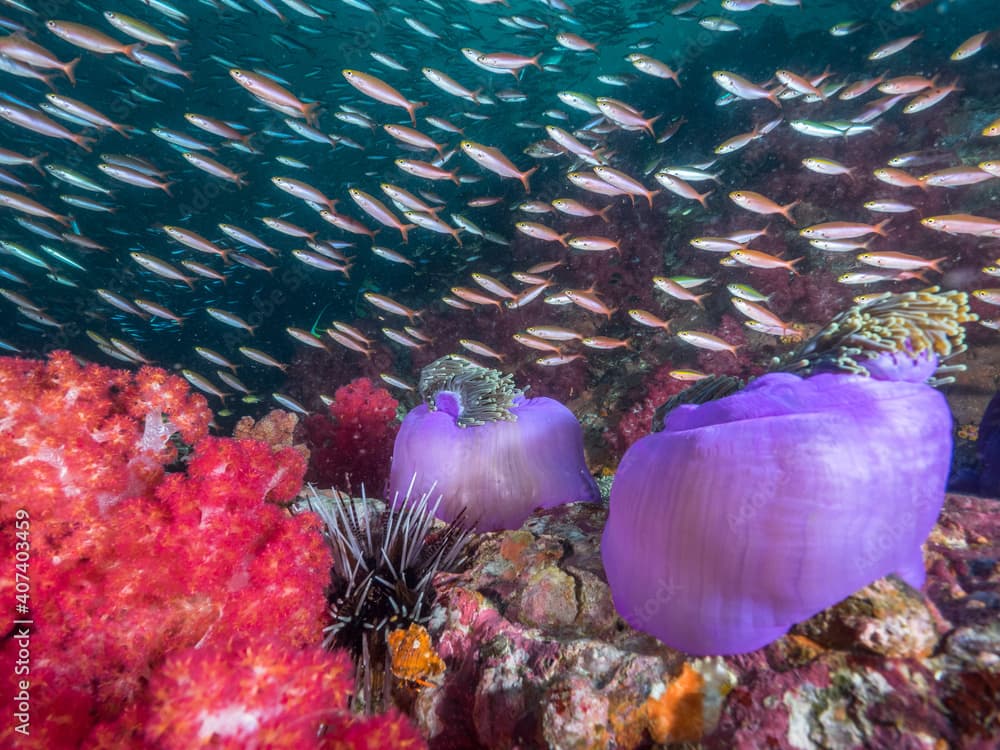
751, 513
488, 450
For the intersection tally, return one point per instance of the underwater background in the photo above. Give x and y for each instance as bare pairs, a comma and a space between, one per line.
668, 328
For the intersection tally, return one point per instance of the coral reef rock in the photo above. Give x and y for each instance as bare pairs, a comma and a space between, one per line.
537, 656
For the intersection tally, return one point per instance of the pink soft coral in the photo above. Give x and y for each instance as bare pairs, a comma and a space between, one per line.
351, 446
131, 566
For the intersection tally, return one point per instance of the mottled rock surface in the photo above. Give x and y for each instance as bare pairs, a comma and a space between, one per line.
537, 657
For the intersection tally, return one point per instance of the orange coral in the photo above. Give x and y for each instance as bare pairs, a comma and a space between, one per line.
412, 654
276, 428
676, 715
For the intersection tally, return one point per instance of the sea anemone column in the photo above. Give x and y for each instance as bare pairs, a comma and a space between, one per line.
486, 449
751, 513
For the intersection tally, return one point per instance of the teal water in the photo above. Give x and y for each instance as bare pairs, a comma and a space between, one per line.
307, 55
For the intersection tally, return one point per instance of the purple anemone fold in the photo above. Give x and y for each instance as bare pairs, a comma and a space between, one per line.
487, 450
751, 513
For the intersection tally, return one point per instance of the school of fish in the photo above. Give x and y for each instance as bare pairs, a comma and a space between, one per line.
310, 141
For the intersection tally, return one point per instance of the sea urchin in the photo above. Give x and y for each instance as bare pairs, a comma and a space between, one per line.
385, 560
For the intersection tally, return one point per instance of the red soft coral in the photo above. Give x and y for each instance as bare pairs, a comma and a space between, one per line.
637, 421
351, 446
263, 693
259, 694
131, 565
87, 435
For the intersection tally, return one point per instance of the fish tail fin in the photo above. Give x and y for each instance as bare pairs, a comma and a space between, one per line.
650, 194
130, 50
792, 262
703, 198
935, 265
412, 109
84, 142
648, 127
525, 176
404, 229
535, 59
122, 130
458, 239
455, 178
176, 47
603, 213
69, 68
241, 180
879, 228
562, 241
786, 211
166, 189
698, 301
310, 112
